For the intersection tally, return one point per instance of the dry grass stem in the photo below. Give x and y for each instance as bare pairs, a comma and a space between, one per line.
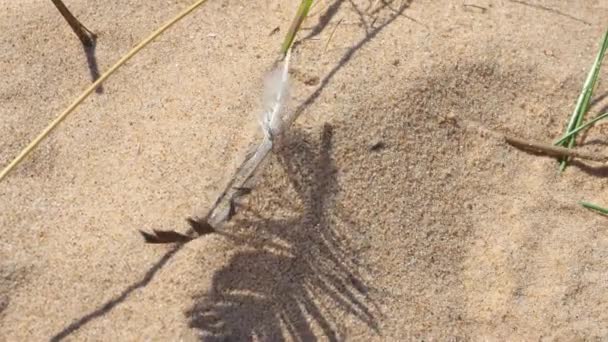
554, 151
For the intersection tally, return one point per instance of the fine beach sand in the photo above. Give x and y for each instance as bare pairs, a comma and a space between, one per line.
393, 211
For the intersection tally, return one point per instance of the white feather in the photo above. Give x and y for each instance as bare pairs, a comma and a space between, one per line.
276, 90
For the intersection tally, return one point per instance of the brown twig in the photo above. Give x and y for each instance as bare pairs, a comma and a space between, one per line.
84, 34
554, 151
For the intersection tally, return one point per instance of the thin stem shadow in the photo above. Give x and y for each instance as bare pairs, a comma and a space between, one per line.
89, 51
109, 305
324, 19
597, 100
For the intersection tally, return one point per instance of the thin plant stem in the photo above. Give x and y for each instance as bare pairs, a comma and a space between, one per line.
86, 36
586, 125
93, 86
594, 207
556, 151
584, 99
295, 26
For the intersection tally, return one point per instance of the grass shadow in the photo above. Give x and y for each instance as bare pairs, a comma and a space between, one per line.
272, 294
349, 55
324, 20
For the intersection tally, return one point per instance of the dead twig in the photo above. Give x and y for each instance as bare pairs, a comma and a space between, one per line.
554, 151
86, 36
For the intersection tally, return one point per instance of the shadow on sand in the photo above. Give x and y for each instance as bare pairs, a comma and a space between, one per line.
271, 291
89, 51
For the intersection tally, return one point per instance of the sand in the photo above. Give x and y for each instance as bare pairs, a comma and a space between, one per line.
393, 211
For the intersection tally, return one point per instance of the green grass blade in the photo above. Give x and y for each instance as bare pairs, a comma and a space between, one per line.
584, 99
585, 126
594, 207
295, 25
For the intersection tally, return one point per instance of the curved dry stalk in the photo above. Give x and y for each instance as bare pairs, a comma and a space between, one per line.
554, 151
